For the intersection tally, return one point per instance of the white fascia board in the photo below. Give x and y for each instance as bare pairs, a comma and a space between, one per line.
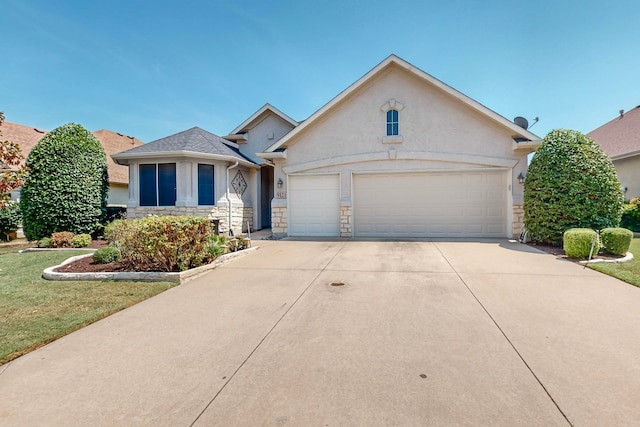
518, 131
257, 114
527, 146
123, 158
626, 155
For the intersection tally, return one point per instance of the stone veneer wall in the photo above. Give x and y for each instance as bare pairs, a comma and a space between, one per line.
346, 227
518, 220
279, 220
239, 215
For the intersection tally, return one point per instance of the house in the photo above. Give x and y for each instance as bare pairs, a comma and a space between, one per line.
396, 154
620, 139
27, 137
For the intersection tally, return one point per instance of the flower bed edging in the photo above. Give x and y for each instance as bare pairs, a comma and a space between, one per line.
627, 257
144, 276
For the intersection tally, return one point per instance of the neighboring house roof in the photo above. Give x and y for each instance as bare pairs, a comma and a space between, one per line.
620, 137
191, 142
393, 60
113, 143
260, 115
27, 137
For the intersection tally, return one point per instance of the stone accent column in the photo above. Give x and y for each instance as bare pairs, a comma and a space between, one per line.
279, 217
346, 227
518, 220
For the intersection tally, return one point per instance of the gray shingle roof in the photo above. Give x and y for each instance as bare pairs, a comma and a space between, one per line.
195, 140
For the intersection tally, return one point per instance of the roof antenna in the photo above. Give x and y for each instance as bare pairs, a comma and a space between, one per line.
621, 113
535, 120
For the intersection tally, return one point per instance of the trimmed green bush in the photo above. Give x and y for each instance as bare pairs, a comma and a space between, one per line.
161, 243
106, 255
631, 216
45, 242
570, 182
62, 239
577, 242
81, 240
9, 219
216, 246
66, 189
616, 241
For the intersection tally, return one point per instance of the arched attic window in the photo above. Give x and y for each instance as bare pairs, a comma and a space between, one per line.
392, 110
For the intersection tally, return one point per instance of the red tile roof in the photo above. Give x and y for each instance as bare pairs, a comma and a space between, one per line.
112, 142
621, 136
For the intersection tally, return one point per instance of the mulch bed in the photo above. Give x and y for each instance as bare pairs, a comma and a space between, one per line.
559, 252
86, 265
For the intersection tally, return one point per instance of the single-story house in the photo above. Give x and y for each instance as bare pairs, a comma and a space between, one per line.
27, 137
620, 139
396, 154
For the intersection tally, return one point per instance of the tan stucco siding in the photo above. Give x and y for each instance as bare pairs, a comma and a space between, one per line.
629, 175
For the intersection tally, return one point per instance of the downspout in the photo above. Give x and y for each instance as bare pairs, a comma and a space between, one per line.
228, 199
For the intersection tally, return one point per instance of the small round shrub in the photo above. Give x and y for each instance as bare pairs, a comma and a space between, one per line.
106, 255
67, 185
45, 242
616, 241
9, 219
81, 240
62, 239
570, 182
577, 242
631, 216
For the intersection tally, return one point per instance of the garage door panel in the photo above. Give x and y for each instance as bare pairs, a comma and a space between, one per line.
314, 205
465, 204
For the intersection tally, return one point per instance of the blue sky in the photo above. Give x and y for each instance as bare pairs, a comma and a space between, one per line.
153, 68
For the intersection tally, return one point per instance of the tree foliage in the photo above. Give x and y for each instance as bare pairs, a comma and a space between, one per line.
67, 186
570, 183
12, 173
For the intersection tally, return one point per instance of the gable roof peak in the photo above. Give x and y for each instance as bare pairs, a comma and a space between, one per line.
257, 116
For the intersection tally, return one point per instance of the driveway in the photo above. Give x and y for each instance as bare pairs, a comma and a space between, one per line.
420, 333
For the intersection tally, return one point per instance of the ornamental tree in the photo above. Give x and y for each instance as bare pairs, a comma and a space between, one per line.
571, 183
12, 173
67, 186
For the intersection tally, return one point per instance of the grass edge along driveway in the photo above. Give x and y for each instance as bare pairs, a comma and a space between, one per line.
626, 271
35, 312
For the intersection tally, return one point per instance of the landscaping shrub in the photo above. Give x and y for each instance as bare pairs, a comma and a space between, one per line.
161, 243
570, 182
631, 216
106, 255
81, 240
577, 242
216, 246
45, 242
62, 239
9, 219
66, 189
616, 241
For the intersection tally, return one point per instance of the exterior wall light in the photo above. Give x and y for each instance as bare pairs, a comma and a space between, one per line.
280, 182
521, 178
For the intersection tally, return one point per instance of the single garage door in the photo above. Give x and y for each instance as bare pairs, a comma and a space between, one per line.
447, 204
314, 205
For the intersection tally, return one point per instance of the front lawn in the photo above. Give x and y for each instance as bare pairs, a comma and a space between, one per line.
34, 311
626, 271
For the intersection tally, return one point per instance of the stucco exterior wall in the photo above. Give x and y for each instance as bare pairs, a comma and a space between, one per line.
629, 175
436, 132
118, 194
262, 135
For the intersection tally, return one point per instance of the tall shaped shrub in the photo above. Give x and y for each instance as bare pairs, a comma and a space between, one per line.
570, 183
67, 186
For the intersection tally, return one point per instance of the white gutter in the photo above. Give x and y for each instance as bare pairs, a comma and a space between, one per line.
227, 196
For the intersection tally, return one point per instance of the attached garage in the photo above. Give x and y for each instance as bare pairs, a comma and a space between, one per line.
442, 204
314, 205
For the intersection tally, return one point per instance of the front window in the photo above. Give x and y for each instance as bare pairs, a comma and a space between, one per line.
157, 184
205, 185
392, 123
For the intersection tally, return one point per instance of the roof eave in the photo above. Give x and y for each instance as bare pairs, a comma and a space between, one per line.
273, 155
626, 155
124, 158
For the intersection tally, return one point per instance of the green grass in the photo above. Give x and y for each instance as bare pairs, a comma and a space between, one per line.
34, 311
626, 271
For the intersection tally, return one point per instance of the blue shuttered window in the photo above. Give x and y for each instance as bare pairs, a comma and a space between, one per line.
205, 185
392, 123
158, 184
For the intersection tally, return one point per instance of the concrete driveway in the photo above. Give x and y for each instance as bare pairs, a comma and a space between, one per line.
421, 333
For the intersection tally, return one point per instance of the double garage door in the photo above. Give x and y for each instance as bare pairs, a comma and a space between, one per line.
447, 204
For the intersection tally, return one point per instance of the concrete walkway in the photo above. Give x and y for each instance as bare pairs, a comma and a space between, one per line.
421, 333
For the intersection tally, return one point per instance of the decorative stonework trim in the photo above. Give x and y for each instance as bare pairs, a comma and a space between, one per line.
392, 104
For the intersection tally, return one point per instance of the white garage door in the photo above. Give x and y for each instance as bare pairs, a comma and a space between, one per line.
452, 204
314, 205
